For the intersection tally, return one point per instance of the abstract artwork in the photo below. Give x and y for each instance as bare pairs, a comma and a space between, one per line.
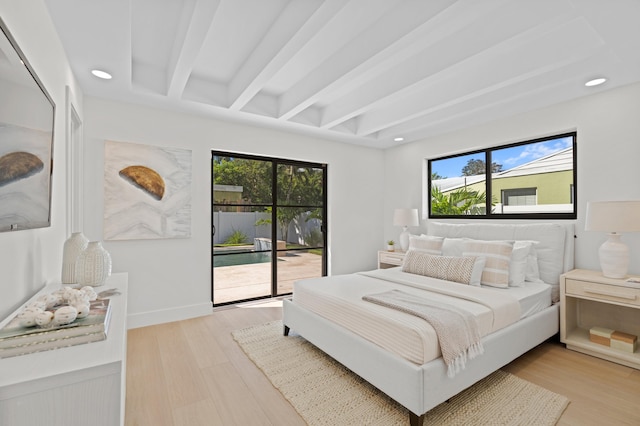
147, 192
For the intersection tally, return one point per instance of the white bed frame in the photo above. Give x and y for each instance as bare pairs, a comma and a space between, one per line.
419, 388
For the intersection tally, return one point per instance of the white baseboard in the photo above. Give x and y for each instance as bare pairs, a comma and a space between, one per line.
144, 319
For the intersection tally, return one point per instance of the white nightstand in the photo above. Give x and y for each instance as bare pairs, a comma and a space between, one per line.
588, 299
389, 259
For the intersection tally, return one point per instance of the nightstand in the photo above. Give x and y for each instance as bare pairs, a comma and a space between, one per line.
588, 299
389, 259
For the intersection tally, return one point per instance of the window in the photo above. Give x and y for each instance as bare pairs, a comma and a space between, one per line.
534, 179
519, 197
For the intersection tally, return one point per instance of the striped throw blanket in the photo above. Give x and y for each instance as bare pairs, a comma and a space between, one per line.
457, 330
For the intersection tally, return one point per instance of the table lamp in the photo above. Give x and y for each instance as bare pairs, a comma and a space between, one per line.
613, 217
405, 218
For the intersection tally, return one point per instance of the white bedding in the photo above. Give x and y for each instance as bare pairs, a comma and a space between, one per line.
340, 300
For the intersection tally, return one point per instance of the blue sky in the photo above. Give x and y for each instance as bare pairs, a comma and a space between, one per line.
508, 157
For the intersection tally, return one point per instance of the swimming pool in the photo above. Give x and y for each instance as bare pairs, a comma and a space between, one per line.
234, 259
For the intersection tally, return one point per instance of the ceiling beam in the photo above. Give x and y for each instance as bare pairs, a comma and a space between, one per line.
195, 22
528, 54
278, 47
443, 45
508, 100
364, 34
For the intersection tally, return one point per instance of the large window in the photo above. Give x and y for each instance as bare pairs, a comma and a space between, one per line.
527, 180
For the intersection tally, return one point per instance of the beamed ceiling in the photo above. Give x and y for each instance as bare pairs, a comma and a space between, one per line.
356, 71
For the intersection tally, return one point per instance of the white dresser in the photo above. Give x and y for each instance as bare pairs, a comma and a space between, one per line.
78, 385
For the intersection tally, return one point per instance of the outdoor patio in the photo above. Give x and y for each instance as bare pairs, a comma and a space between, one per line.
241, 282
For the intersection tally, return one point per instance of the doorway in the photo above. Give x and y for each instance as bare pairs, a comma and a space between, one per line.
268, 225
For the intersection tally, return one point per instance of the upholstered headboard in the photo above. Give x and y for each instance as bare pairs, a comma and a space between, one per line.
555, 245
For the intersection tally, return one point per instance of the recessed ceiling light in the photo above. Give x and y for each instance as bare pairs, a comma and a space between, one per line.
398, 139
595, 82
101, 74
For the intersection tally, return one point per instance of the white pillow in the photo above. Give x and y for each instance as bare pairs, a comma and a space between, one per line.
498, 259
532, 273
518, 264
476, 274
431, 245
453, 247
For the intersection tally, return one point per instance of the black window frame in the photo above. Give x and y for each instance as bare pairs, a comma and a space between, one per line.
488, 179
275, 161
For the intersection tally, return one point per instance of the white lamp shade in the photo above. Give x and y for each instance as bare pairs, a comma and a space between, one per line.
613, 216
406, 217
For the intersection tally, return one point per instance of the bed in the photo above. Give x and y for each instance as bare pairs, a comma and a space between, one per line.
330, 313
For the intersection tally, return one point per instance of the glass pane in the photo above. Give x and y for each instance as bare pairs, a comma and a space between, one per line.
458, 185
239, 276
240, 227
296, 265
536, 178
299, 186
241, 254
300, 226
241, 181
243, 212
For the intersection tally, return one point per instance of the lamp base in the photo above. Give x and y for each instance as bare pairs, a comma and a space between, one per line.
404, 239
614, 257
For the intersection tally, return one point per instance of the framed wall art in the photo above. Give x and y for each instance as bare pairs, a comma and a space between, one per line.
147, 192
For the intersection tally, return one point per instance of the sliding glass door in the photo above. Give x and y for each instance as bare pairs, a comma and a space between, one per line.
268, 225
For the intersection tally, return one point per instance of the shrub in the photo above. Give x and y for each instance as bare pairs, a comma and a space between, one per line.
238, 237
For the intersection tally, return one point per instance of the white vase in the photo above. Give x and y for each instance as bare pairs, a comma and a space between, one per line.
74, 245
94, 265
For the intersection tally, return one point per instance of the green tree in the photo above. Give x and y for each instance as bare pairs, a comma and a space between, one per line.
254, 177
476, 166
436, 176
300, 189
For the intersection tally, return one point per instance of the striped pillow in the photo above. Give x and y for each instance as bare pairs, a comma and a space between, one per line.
458, 269
498, 258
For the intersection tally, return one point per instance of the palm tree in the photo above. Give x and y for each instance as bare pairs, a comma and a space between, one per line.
457, 203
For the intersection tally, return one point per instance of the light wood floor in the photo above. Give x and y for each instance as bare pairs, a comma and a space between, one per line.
193, 373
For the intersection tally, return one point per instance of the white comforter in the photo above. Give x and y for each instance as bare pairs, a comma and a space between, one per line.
339, 299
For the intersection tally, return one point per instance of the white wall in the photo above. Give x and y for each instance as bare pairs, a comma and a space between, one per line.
170, 279
30, 258
608, 150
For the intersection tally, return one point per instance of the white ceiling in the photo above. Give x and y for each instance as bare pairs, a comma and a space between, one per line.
357, 71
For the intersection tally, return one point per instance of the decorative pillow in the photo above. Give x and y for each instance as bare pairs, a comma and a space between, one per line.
518, 265
453, 247
458, 269
476, 275
532, 273
431, 245
498, 258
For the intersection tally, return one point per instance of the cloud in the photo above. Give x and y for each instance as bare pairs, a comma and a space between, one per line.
534, 151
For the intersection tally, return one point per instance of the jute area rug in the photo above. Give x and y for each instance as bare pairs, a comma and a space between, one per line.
326, 393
